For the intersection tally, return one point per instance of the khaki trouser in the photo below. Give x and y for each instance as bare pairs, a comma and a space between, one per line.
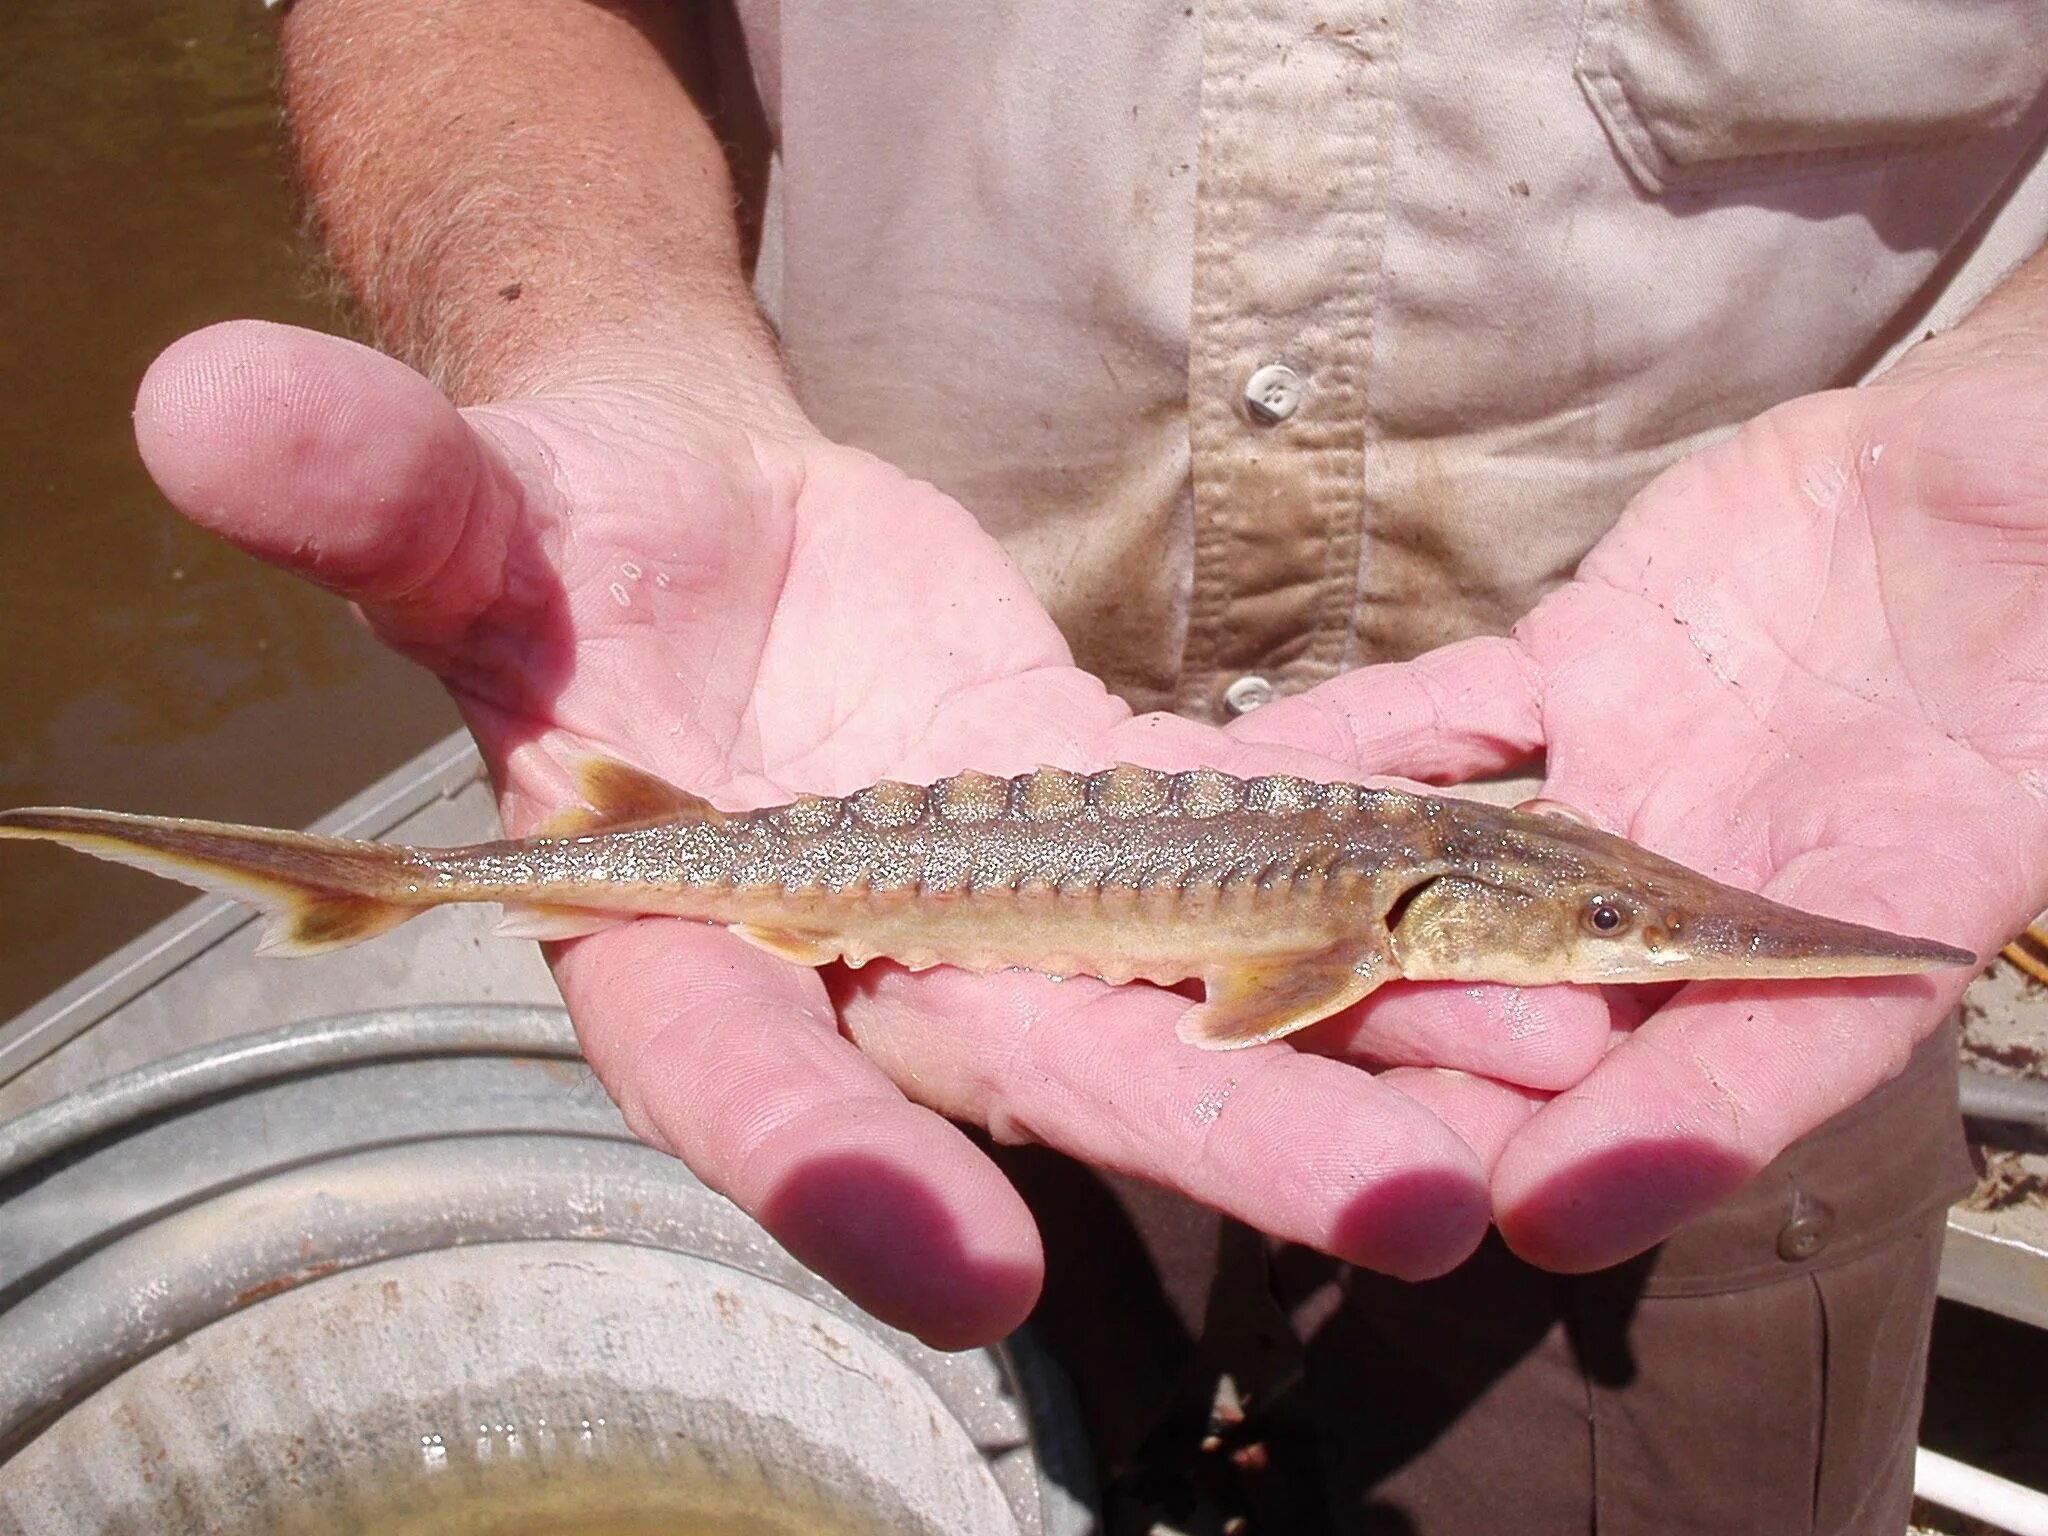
1760, 1373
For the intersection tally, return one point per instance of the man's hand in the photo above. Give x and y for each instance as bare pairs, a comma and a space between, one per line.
1812, 661
753, 614
635, 543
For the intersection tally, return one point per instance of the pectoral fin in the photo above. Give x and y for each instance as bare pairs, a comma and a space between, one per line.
1256, 1003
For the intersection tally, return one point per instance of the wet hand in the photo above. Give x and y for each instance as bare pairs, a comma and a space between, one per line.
1812, 661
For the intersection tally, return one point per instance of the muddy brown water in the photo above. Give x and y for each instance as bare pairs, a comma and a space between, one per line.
144, 665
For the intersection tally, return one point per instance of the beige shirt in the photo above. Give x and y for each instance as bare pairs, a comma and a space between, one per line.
1515, 258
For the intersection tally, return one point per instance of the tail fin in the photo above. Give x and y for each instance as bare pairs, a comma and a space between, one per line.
319, 893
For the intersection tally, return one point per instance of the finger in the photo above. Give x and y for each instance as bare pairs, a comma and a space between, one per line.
1300, 1146
337, 463
1695, 1098
732, 1060
1629, 1006
1486, 1115
1693, 1105
1463, 711
1718, 1082
1536, 1037
1170, 743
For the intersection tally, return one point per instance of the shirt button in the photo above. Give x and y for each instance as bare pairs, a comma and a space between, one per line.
1272, 394
1247, 694
1806, 1234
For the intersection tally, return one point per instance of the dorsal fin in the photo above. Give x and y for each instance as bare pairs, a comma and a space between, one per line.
620, 792
620, 795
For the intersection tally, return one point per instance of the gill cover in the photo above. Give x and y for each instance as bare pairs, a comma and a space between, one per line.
1457, 927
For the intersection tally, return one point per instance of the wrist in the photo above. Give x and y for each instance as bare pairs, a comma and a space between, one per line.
2009, 326
696, 381
526, 200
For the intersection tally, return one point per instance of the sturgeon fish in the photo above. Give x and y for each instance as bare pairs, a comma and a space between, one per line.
1289, 900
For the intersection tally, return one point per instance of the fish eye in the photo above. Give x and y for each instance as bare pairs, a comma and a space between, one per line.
1606, 917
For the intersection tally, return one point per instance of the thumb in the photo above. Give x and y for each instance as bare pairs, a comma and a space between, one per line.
335, 462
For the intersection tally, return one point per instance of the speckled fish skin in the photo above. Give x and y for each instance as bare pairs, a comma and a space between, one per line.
1289, 899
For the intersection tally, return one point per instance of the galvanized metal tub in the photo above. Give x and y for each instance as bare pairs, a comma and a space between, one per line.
407, 1270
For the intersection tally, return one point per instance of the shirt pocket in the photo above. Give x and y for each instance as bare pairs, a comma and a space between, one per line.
1699, 94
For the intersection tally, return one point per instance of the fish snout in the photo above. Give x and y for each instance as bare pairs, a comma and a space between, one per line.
1764, 939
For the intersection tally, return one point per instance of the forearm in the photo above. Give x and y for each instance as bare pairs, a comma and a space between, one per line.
522, 194
2012, 322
